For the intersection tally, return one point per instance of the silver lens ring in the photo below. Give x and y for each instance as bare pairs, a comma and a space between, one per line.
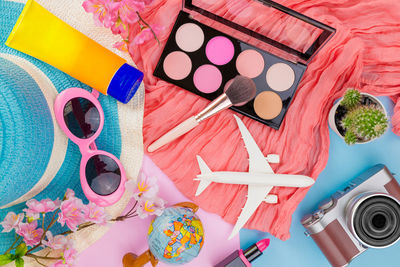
374, 219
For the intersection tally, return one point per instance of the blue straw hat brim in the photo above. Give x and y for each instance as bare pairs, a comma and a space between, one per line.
26, 130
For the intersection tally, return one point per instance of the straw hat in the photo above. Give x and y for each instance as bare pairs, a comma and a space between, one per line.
37, 160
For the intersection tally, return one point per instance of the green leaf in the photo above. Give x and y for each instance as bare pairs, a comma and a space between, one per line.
21, 250
350, 138
6, 259
19, 262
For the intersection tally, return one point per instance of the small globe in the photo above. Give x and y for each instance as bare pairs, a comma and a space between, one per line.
176, 237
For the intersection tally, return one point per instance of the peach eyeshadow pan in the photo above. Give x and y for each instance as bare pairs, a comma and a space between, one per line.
177, 65
250, 63
268, 105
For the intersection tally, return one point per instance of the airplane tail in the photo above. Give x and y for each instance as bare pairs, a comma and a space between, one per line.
204, 169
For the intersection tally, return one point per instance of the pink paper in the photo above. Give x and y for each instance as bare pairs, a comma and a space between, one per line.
131, 235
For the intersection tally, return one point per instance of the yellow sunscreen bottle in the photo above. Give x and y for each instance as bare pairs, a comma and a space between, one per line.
42, 35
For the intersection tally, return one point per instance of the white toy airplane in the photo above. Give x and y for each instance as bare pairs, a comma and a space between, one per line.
260, 178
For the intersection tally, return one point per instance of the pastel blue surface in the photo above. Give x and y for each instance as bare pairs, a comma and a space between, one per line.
345, 163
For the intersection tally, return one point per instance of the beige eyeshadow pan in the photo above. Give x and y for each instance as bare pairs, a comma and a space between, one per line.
189, 37
268, 105
280, 77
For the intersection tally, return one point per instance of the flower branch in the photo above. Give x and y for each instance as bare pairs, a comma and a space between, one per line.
76, 216
123, 17
148, 26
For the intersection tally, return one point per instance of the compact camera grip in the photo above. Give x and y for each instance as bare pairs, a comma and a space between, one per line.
336, 244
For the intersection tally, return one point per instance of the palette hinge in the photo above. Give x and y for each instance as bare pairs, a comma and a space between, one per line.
302, 64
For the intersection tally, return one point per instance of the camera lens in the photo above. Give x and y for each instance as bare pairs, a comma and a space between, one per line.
377, 221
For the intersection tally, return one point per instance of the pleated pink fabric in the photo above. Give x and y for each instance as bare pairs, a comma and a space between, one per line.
365, 53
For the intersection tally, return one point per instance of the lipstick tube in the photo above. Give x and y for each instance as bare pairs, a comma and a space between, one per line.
243, 258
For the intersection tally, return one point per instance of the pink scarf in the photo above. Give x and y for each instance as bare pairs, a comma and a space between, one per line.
365, 53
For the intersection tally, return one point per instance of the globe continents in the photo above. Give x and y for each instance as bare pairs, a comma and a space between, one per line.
177, 236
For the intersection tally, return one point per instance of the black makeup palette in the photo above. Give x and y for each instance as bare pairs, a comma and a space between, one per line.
203, 60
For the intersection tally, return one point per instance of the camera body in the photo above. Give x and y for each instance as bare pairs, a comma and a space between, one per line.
366, 213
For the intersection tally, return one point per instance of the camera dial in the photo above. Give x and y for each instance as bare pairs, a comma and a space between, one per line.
327, 204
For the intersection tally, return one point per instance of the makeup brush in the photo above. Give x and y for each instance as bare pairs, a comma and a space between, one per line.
241, 91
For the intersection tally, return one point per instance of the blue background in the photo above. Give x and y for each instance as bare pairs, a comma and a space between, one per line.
345, 163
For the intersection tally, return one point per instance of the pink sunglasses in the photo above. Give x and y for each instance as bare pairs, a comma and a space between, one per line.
81, 117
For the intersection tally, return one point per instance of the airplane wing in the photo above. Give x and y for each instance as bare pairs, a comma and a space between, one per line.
257, 163
203, 169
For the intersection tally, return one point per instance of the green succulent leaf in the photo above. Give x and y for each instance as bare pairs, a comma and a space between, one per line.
347, 122
350, 138
351, 98
365, 122
19, 262
21, 250
6, 259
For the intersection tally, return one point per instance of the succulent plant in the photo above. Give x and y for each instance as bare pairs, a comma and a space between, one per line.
351, 98
350, 138
364, 123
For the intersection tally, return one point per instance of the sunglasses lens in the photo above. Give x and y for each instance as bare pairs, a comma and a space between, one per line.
103, 174
81, 117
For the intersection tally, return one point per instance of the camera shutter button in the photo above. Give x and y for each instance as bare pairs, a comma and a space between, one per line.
325, 205
307, 219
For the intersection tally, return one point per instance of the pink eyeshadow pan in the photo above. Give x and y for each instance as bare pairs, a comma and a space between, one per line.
220, 50
207, 78
250, 63
177, 65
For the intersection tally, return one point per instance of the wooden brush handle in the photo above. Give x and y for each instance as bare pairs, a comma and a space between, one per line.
178, 131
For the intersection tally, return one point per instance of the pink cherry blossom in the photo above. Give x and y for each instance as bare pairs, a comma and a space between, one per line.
104, 11
71, 213
121, 46
127, 10
146, 186
36, 207
69, 194
68, 260
120, 27
29, 232
11, 221
146, 34
69, 256
57, 242
95, 214
148, 207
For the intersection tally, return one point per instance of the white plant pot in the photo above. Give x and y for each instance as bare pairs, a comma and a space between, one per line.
332, 112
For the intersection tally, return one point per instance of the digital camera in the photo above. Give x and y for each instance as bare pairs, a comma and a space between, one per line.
364, 214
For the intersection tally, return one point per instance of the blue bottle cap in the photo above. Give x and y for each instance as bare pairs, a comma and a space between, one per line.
125, 83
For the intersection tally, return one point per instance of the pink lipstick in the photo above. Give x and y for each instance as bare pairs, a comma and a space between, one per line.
243, 258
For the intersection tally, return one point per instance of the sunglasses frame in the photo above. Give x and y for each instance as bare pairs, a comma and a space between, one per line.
87, 146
